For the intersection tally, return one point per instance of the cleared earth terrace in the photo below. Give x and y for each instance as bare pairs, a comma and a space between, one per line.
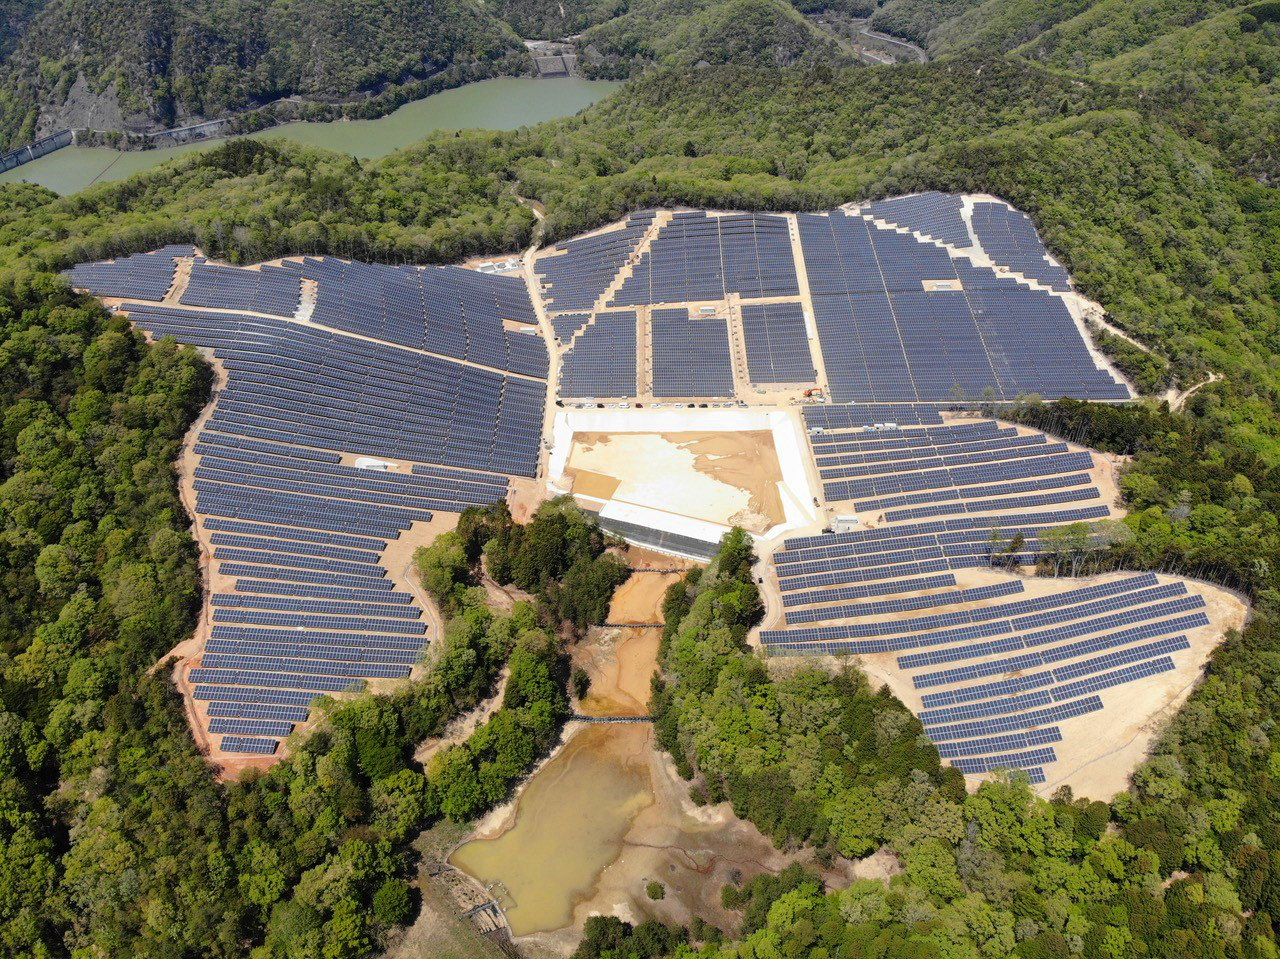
924, 581
356, 402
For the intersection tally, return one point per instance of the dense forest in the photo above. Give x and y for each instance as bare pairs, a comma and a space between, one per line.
560, 558
807, 757
762, 33
536, 19
1142, 140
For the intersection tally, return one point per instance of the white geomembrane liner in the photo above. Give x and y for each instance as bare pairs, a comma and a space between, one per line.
795, 491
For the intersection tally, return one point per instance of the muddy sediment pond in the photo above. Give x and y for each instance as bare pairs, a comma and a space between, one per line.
607, 813
620, 665
570, 821
568, 827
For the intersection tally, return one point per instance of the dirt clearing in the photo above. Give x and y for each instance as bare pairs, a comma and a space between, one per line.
639, 599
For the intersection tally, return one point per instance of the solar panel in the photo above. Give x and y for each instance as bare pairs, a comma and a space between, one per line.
900, 320
237, 710
935, 215
777, 343
250, 727
243, 744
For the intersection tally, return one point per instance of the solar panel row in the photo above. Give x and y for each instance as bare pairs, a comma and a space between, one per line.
1009, 238
266, 290
576, 273
777, 343
935, 215
1048, 677
244, 744
602, 361
450, 311
146, 276
697, 257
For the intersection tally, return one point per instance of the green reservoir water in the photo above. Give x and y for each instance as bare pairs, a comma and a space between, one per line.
501, 104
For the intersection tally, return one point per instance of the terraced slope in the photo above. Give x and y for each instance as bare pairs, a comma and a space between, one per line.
1046, 675
357, 403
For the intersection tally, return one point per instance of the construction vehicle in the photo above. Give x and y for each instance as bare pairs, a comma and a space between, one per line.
816, 391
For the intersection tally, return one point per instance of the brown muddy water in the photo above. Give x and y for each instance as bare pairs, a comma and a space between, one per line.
568, 826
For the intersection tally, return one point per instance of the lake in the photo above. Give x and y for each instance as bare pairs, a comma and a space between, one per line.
505, 103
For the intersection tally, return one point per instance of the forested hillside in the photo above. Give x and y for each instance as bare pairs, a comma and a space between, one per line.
15, 16
112, 65
166, 63
1072, 34
537, 19
768, 33
914, 19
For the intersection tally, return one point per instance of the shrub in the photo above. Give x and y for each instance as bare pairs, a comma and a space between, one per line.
393, 903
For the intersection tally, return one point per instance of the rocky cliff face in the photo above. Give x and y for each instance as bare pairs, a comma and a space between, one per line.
83, 110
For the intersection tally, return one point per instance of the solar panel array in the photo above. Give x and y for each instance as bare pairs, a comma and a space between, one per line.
302, 386
566, 325
889, 335
297, 532
147, 276
244, 744
1009, 237
270, 289
690, 356
935, 215
578, 276
445, 310
700, 257
999, 667
852, 416
901, 317
430, 368
777, 343
911, 467
602, 360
